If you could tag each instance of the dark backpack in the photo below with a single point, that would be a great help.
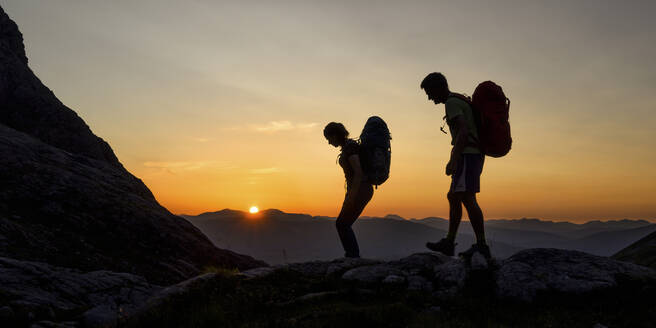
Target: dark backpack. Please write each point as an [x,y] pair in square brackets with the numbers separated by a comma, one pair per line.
[375,150]
[491,109]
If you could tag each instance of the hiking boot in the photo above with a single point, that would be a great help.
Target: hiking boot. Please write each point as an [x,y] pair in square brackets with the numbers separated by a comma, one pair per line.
[444,246]
[481,248]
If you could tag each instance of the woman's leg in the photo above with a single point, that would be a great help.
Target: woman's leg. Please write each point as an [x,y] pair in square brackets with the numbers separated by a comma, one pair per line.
[347,217]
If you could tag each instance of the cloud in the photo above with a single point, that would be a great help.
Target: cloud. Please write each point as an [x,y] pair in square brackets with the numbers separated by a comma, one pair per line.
[253,180]
[181,166]
[278,126]
[268,170]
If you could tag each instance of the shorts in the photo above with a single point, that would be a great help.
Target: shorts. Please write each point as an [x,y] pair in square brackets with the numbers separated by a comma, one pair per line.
[468,174]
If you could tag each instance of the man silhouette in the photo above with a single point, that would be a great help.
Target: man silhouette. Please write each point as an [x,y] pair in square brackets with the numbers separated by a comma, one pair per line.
[465,166]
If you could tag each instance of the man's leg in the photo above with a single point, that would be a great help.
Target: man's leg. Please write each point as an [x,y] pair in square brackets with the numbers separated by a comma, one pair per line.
[447,245]
[476,219]
[455,213]
[475,216]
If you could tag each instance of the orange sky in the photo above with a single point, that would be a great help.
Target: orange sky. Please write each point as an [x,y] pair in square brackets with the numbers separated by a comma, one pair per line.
[222,105]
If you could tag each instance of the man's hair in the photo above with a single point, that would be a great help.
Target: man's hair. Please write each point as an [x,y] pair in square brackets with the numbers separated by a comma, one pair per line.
[335,129]
[434,81]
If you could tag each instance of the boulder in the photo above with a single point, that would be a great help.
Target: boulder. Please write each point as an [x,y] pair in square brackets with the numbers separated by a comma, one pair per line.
[259,272]
[394,280]
[420,263]
[451,274]
[339,266]
[531,272]
[478,262]
[313,268]
[419,283]
[371,273]
[36,292]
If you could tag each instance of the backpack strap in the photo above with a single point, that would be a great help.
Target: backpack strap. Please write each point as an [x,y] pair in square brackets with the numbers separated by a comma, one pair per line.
[469,102]
[462,97]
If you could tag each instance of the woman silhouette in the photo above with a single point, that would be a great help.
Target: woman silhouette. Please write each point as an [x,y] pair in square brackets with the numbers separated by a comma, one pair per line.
[358,190]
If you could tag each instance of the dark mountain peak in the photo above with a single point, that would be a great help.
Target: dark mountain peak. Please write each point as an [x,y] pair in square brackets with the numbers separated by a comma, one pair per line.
[393,217]
[11,39]
[66,200]
[617,223]
[535,220]
[433,218]
[224,212]
[267,215]
[30,107]
[273,211]
[593,223]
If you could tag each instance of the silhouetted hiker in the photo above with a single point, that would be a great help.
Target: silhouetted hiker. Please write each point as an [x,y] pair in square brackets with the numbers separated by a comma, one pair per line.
[465,166]
[358,190]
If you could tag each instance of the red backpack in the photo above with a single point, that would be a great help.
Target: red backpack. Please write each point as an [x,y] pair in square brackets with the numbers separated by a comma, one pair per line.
[491,110]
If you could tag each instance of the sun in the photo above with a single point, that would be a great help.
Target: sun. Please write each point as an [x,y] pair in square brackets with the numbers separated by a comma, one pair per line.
[254,209]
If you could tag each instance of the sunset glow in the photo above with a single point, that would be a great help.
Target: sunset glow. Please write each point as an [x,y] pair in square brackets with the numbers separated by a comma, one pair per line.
[233,109]
[254,209]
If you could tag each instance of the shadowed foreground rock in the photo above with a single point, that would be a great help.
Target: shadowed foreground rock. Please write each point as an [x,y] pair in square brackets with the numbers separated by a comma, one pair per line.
[38,292]
[523,277]
[529,273]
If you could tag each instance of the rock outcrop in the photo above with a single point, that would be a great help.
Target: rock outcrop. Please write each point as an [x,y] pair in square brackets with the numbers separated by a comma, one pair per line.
[533,288]
[35,292]
[524,277]
[66,200]
[532,272]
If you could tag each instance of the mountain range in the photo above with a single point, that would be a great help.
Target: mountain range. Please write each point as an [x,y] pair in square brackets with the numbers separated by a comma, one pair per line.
[278,237]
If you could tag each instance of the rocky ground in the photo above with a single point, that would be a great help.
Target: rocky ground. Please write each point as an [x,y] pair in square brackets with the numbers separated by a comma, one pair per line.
[33,292]
[547,285]
[536,287]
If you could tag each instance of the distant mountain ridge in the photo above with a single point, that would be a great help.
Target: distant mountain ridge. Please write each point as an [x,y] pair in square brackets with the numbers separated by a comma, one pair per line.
[279,237]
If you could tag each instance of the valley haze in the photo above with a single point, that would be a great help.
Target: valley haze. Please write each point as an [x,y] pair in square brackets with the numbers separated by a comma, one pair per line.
[278,237]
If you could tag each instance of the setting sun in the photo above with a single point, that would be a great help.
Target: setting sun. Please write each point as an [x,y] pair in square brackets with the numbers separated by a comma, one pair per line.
[254,209]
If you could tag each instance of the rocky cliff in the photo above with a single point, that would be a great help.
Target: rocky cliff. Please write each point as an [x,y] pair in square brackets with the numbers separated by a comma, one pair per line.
[66,200]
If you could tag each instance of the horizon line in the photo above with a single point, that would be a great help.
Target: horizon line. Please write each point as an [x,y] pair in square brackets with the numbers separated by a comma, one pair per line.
[650,220]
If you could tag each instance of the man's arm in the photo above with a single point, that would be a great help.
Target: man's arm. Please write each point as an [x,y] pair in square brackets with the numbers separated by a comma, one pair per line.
[461,141]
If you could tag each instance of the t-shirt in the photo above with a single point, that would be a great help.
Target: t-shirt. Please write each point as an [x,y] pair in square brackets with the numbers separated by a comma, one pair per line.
[456,107]
[350,148]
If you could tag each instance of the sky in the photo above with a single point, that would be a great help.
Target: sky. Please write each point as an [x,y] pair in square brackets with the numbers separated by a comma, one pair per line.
[221,104]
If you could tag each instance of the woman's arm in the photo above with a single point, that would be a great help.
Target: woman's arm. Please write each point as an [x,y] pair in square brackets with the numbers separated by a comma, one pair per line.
[356,180]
